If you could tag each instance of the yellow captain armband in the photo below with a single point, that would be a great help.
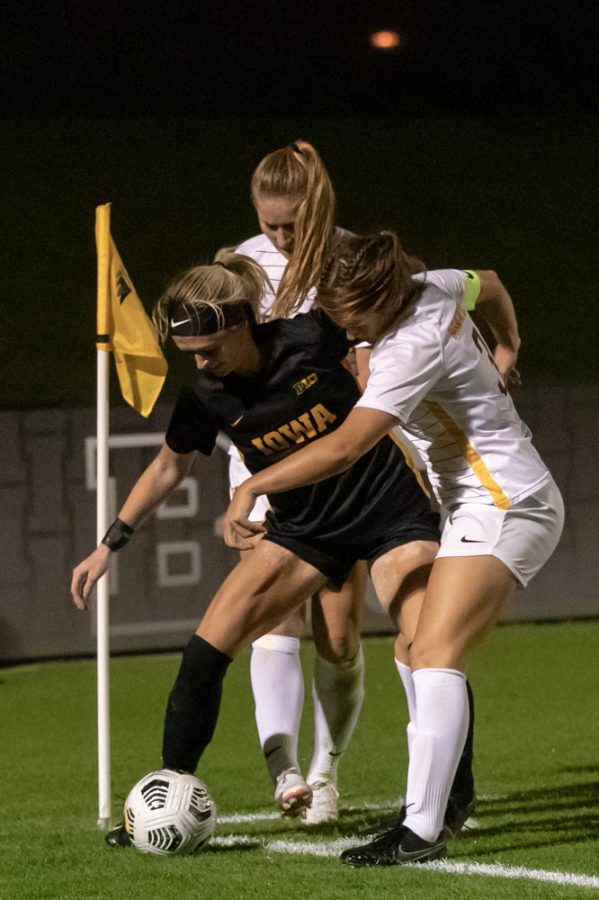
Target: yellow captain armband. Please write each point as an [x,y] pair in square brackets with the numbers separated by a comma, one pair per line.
[471,289]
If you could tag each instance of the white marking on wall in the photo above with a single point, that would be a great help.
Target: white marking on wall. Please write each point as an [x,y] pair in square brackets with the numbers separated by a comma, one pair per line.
[189,505]
[166,551]
[166,626]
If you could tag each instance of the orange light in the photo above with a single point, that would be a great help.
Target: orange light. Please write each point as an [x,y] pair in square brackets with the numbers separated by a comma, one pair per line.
[384,40]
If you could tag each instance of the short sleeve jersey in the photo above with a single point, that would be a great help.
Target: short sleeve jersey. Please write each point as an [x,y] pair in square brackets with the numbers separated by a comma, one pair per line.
[302,393]
[260,249]
[435,374]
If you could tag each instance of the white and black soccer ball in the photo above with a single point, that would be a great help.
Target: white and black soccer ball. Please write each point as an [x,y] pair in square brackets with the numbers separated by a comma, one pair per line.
[169,813]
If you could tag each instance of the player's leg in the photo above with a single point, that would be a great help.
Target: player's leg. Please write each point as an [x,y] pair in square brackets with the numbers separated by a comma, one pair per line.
[400,578]
[337,688]
[468,585]
[268,584]
[277,685]
[278,688]
[463,599]
[260,591]
[514,545]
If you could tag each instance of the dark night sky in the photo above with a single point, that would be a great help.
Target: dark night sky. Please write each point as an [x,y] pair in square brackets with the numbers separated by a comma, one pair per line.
[265,58]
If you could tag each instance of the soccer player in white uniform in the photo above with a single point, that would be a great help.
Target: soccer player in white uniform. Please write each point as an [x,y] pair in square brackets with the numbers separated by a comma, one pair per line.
[295,203]
[432,373]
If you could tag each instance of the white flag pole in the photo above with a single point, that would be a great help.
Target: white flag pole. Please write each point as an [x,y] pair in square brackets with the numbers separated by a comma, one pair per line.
[102,512]
[103,593]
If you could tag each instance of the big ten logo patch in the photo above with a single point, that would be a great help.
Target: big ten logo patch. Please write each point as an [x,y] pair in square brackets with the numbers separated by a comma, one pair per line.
[307,382]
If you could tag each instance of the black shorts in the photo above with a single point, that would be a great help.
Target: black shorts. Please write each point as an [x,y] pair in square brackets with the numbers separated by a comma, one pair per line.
[335,556]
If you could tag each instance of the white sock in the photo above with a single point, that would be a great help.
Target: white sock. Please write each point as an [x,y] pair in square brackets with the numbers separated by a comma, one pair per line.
[338,692]
[405,673]
[442,724]
[278,686]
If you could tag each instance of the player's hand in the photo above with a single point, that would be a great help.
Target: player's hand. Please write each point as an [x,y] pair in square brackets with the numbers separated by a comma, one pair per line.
[238,531]
[87,574]
[505,360]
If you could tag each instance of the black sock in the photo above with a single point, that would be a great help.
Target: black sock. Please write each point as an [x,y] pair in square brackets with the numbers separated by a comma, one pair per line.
[462,788]
[193,705]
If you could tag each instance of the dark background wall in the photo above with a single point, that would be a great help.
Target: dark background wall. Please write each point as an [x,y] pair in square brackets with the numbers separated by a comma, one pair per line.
[162,582]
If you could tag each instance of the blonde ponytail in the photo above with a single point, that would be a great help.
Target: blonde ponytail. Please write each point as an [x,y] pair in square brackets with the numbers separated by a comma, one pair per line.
[297,172]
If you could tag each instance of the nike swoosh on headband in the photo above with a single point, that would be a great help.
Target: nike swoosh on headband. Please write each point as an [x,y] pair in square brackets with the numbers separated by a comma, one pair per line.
[176,324]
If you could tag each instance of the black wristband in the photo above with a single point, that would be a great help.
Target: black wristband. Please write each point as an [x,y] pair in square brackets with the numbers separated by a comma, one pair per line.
[117,535]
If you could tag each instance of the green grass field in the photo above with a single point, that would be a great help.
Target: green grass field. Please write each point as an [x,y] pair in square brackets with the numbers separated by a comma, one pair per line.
[537,768]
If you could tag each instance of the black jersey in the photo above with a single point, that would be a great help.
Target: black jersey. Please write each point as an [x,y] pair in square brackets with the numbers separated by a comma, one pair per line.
[303,391]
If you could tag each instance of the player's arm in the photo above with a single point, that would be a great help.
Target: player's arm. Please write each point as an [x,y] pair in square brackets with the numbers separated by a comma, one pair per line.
[362,356]
[153,486]
[328,456]
[494,305]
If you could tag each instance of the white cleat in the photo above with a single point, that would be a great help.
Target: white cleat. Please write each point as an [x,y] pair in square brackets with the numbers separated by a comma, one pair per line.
[292,794]
[324,806]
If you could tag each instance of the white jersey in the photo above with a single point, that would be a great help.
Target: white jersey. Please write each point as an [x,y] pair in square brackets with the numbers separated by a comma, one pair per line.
[435,374]
[264,252]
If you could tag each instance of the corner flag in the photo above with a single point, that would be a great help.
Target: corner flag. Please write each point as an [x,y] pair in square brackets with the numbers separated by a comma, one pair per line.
[123,325]
[125,330]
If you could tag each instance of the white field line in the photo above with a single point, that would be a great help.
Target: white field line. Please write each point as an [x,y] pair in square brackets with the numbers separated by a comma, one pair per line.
[328,849]
[495,870]
[244,818]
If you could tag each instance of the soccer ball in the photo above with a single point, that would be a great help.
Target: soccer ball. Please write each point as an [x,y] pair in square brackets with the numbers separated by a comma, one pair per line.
[169,813]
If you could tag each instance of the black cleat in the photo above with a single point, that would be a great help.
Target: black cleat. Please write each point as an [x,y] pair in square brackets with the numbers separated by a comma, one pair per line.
[456,815]
[395,847]
[118,837]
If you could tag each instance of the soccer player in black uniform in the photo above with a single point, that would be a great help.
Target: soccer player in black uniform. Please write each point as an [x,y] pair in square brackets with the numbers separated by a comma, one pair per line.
[272,388]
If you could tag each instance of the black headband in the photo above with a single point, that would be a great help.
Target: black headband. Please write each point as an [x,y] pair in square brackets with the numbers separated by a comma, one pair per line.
[186,320]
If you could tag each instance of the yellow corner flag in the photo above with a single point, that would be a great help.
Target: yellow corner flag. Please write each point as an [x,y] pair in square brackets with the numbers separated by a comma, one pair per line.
[123,325]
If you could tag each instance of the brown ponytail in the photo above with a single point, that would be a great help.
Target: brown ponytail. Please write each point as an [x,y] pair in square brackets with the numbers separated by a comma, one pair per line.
[369,275]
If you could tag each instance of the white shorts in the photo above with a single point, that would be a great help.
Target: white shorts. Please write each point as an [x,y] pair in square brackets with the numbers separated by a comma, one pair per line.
[238,472]
[523,537]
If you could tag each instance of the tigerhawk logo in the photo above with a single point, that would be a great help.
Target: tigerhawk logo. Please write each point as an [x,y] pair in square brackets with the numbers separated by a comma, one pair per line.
[123,288]
[305,383]
[299,430]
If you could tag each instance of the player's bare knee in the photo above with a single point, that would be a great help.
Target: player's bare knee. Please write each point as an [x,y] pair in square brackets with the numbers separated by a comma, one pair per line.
[338,648]
[401,648]
[434,655]
[293,625]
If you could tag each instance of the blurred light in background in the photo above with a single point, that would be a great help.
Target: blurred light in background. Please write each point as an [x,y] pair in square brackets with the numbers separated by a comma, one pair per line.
[384,40]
